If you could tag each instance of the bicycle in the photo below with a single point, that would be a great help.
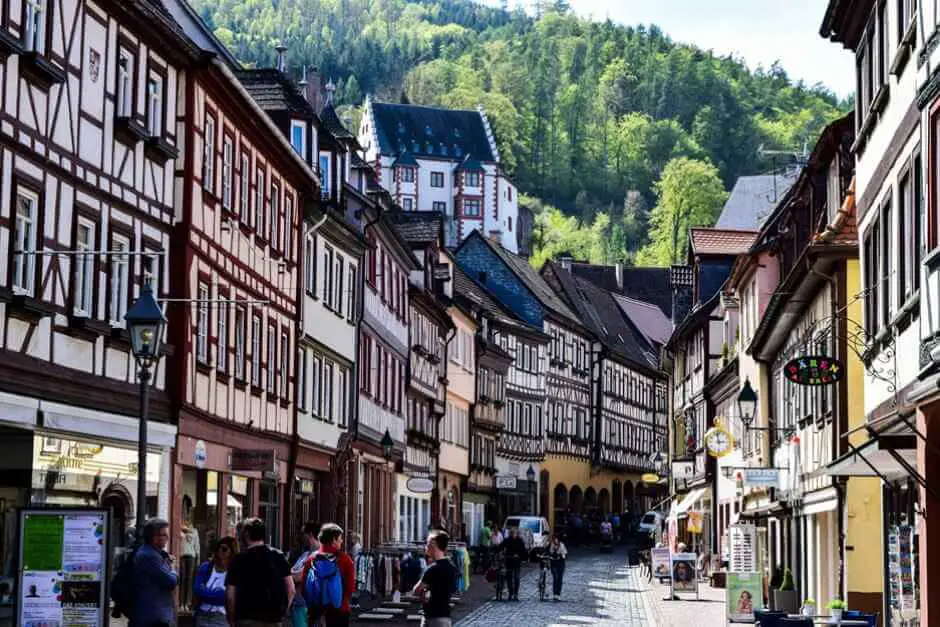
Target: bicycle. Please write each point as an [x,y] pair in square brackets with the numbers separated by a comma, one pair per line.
[544,567]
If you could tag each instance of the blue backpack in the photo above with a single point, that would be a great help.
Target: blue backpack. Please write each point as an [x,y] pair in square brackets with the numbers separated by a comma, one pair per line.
[324,585]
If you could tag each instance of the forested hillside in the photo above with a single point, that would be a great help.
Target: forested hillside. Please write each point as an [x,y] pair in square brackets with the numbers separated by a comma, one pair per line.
[585,112]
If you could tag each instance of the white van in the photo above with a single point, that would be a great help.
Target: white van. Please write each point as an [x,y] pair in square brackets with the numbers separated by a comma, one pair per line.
[651,522]
[535,526]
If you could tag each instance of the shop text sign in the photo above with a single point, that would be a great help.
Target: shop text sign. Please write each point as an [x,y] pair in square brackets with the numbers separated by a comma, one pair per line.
[505,482]
[259,460]
[766,477]
[814,370]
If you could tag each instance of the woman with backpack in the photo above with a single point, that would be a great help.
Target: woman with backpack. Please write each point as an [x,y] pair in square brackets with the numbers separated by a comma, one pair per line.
[329,580]
[209,586]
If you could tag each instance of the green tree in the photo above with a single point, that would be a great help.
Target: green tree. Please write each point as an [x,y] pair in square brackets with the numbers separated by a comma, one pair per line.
[689,193]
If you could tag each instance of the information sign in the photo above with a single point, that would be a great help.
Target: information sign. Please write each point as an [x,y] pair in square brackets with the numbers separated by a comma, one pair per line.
[743,539]
[63,568]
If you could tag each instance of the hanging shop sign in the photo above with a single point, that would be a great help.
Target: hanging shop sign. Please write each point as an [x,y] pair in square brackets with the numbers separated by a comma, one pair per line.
[650,477]
[766,477]
[814,370]
[63,566]
[505,482]
[719,441]
[695,522]
[420,485]
[683,470]
[200,455]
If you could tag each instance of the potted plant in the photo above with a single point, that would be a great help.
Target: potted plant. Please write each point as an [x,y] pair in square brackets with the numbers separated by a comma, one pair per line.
[835,607]
[809,608]
[785,599]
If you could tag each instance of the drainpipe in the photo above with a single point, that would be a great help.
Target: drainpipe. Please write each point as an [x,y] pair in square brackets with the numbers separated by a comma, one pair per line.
[840,350]
[436,492]
[598,409]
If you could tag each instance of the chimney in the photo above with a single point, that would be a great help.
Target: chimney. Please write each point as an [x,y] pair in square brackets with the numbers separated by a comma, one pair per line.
[618,272]
[281,57]
[312,91]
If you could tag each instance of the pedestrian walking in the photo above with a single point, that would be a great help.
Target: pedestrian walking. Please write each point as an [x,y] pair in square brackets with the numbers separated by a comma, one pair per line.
[329,580]
[154,579]
[486,539]
[259,587]
[515,553]
[309,545]
[438,583]
[209,585]
[558,555]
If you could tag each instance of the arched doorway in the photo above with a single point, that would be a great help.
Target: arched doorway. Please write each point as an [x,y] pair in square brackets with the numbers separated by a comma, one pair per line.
[559,520]
[576,499]
[116,499]
[628,497]
[603,502]
[617,495]
[590,501]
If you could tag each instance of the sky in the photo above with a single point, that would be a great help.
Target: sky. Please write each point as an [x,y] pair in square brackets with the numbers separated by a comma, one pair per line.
[759,31]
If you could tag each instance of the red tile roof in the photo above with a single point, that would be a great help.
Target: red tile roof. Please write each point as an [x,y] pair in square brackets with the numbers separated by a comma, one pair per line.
[707,241]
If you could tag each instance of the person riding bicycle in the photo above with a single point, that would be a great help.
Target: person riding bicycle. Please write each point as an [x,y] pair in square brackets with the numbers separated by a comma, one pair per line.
[557,554]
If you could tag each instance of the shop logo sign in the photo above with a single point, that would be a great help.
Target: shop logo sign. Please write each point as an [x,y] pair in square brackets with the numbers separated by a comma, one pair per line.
[814,370]
[420,485]
[200,455]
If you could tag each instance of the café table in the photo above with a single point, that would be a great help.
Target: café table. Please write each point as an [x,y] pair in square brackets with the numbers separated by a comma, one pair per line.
[828,620]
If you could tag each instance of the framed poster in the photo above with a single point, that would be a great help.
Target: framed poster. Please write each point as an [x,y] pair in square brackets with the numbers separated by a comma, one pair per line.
[684,578]
[659,557]
[745,593]
[62,573]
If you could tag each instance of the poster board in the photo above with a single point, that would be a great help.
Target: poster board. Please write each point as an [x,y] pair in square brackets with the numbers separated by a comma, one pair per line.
[660,563]
[745,593]
[743,553]
[682,572]
[62,567]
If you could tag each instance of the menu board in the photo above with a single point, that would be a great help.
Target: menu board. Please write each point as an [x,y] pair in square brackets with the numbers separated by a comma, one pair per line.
[63,562]
[743,544]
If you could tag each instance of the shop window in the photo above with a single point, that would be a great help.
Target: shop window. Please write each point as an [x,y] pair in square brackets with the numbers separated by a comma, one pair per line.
[268,511]
[238,504]
[200,500]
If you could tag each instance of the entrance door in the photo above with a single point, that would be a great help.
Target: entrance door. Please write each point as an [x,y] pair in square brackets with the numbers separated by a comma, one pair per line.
[268,511]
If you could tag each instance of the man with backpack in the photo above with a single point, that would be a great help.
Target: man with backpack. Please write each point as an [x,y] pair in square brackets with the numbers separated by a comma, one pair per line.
[330,580]
[142,589]
[259,587]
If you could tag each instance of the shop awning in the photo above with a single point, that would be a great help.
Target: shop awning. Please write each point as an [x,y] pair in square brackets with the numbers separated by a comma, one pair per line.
[680,507]
[870,460]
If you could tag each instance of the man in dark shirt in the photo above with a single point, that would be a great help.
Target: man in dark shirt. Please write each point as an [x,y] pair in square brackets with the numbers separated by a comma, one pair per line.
[438,583]
[515,554]
[258,586]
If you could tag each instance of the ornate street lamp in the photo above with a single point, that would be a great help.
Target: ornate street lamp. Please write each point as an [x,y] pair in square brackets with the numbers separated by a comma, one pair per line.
[747,402]
[387,445]
[530,475]
[145,324]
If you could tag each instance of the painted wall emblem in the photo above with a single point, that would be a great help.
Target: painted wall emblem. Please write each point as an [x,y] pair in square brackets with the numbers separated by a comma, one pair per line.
[94,65]
[814,370]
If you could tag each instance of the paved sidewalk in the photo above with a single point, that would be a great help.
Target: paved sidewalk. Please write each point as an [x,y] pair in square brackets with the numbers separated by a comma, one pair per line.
[707,611]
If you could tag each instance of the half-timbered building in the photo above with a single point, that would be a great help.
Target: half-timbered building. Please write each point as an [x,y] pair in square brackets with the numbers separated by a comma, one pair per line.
[242,188]
[330,294]
[87,148]
[627,398]
[502,383]
[566,418]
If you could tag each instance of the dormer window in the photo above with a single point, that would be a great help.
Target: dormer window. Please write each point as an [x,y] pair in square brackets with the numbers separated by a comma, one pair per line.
[298,138]
[428,132]
[34,31]
[457,151]
[401,128]
[325,176]
[471,179]
[408,175]
[125,84]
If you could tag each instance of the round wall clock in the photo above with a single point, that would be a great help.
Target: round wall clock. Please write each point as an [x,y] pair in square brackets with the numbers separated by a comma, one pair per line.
[719,441]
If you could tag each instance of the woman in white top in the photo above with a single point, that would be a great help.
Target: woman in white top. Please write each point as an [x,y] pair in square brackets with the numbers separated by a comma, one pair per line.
[557,553]
[209,588]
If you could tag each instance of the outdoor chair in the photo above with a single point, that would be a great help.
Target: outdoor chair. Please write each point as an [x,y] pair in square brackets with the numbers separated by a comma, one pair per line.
[768,618]
[795,622]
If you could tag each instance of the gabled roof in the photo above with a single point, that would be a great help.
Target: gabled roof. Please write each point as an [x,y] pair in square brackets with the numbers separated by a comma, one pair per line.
[358,163]
[274,91]
[430,131]
[603,317]
[418,227]
[650,285]
[333,124]
[405,159]
[648,319]
[197,31]
[714,241]
[531,279]
[469,164]
[753,198]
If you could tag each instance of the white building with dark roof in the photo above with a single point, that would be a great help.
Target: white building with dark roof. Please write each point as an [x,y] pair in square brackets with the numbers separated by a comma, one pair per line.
[436,159]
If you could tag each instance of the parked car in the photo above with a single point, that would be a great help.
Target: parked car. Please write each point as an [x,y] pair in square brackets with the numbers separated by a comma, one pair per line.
[534,527]
[650,523]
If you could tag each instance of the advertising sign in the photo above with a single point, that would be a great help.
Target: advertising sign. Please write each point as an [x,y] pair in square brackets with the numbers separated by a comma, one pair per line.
[683,573]
[743,540]
[660,562]
[767,477]
[744,595]
[505,482]
[262,460]
[695,522]
[814,370]
[63,559]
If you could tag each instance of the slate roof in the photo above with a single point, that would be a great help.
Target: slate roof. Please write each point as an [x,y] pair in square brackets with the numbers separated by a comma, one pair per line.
[467,290]
[274,91]
[197,31]
[532,280]
[600,313]
[469,164]
[430,131]
[418,227]
[753,199]
[648,319]
[358,163]
[647,284]
[333,124]
[715,241]
[406,159]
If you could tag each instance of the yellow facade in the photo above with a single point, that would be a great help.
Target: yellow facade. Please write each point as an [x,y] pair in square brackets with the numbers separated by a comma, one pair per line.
[863,563]
[575,473]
